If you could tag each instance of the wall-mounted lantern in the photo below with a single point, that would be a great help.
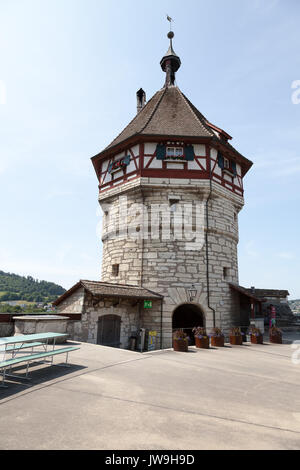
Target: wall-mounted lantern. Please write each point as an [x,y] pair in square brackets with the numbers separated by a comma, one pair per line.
[192,292]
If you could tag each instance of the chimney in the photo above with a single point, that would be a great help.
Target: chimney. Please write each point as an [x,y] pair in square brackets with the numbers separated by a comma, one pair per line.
[253,290]
[141,99]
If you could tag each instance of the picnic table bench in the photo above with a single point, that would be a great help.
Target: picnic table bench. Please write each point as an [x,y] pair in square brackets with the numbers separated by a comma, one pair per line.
[16,344]
[14,348]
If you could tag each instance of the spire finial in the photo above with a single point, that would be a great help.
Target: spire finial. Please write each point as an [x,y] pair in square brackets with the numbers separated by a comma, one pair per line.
[170,63]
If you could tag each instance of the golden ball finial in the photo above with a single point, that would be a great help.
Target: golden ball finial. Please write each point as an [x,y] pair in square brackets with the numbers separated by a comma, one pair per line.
[170,34]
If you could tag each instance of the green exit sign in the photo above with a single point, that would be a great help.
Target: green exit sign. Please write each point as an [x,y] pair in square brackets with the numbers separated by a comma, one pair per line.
[147,303]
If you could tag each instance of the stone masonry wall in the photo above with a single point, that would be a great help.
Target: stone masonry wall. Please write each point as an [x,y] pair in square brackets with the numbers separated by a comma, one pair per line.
[117,248]
[133,316]
[168,266]
[73,303]
[6,329]
[128,310]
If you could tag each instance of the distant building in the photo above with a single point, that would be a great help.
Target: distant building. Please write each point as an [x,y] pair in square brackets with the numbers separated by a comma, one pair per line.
[14,303]
[278,299]
[295,307]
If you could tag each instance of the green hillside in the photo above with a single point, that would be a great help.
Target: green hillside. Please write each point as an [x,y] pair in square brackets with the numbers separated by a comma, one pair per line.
[15,287]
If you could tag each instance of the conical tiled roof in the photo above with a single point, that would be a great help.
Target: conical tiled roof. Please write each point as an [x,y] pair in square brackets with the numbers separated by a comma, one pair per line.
[170,114]
[167,113]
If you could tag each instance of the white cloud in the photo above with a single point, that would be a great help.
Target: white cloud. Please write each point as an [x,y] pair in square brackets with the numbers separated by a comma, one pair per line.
[264,5]
[290,170]
[250,249]
[286,255]
[58,193]
[3,95]
[277,166]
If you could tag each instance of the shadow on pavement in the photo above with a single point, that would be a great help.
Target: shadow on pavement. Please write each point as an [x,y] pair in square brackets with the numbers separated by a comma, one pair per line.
[38,376]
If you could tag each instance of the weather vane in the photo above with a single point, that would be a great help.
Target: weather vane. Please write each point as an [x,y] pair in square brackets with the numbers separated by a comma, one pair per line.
[170,20]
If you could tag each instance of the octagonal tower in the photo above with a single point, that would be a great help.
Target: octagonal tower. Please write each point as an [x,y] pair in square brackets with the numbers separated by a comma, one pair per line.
[171,188]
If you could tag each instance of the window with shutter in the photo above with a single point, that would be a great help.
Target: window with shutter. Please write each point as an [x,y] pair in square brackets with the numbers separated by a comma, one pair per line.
[160,152]
[226,164]
[189,152]
[126,160]
[174,153]
[119,164]
[220,160]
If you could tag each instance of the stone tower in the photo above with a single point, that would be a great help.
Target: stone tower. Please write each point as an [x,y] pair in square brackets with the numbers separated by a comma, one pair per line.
[171,188]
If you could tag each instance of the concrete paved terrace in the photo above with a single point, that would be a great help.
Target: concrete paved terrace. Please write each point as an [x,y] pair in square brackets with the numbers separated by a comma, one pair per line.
[241,397]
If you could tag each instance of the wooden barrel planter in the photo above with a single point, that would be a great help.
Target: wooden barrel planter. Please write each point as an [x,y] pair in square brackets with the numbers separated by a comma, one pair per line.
[236,340]
[257,339]
[202,342]
[277,339]
[217,341]
[180,345]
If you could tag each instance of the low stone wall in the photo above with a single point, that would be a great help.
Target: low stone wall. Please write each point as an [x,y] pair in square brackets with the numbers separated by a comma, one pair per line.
[32,324]
[10,326]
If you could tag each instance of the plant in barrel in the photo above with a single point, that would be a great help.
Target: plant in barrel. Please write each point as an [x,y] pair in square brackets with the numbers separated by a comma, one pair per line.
[235,336]
[180,341]
[256,335]
[275,335]
[217,338]
[201,337]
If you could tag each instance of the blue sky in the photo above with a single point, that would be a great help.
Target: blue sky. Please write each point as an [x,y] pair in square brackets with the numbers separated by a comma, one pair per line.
[68,77]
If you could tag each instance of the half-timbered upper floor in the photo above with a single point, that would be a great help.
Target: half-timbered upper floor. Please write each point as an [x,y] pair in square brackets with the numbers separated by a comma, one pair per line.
[170,138]
[172,159]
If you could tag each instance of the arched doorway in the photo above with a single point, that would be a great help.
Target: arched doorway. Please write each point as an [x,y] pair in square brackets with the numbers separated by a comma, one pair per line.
[109,331]
[186,317]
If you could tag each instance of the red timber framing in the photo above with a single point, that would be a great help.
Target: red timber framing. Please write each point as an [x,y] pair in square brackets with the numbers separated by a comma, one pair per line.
[142,168]
[229,184]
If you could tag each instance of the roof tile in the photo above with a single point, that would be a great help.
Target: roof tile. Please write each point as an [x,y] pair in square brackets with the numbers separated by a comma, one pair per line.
[108,289]
[169,113]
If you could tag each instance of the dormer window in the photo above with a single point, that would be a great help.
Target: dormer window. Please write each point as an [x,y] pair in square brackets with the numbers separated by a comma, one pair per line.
[174,152]
[227,166]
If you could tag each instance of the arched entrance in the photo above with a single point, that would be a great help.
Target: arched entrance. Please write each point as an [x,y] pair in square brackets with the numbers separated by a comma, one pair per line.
[109,331]
[186,317]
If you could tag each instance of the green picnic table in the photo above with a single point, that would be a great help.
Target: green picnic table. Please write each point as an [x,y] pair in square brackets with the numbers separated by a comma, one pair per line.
[16,344]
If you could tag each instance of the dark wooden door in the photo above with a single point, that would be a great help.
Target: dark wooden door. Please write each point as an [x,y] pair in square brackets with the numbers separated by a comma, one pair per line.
[109,331]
